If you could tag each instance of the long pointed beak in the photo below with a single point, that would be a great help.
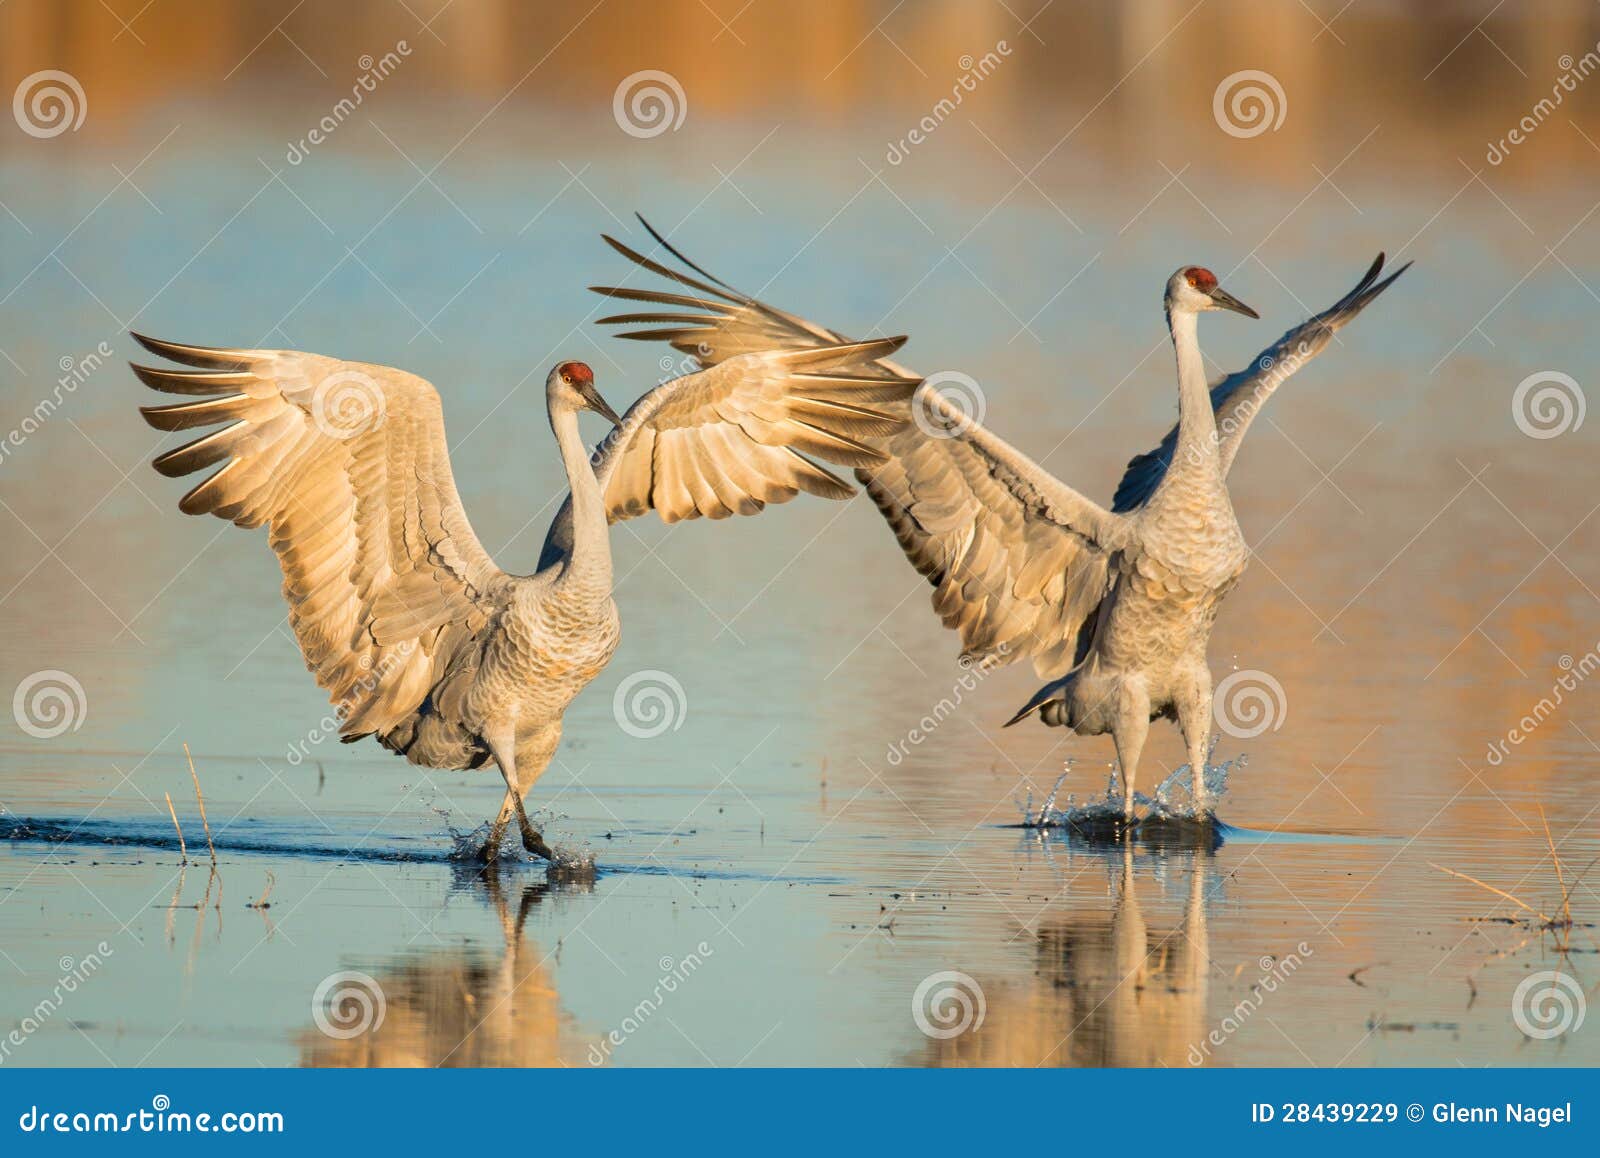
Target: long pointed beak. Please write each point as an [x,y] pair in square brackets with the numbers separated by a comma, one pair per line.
[1224,300]
[600,406]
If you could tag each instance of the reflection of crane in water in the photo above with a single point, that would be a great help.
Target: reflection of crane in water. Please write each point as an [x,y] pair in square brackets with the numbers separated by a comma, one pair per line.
[461,1007]
[1106,989]
[1114,606]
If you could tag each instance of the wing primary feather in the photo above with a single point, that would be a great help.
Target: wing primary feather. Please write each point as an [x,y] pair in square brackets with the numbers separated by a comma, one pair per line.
[660,297]
[665,271]
[677,335]
[208,357]
[679,254]
[213,410]
[202,452]
[832,446]
[816,480]
[192,381]
[654,319]
[822,357]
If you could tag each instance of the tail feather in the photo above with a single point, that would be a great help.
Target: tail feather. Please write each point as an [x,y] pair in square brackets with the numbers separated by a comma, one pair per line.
[1052,693]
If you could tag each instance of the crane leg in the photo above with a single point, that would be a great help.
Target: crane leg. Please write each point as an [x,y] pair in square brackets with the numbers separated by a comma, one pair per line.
[1129,731]
[1194,719]
[521,770]
[491,847]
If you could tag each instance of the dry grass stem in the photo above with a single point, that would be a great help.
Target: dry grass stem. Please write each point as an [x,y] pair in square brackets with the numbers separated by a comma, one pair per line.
[183,849]
[201,798]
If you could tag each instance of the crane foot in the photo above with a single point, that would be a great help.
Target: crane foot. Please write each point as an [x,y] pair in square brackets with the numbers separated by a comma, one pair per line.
[533,841]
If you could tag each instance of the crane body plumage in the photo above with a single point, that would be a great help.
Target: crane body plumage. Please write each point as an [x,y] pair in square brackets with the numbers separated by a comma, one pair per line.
[1114,607]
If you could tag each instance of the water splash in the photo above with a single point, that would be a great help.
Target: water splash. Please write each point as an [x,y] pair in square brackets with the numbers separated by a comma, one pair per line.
[1173,799]
[467,846]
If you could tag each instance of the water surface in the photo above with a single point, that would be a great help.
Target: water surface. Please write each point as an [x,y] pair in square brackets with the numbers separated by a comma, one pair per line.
[786,875]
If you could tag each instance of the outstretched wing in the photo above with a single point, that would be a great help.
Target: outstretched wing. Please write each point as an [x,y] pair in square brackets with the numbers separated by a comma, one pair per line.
[346,465]
[1017,558]
[729,439]
[1014,571]
[1239,397]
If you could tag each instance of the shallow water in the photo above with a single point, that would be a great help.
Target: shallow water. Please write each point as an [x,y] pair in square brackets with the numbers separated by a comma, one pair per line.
[797,869]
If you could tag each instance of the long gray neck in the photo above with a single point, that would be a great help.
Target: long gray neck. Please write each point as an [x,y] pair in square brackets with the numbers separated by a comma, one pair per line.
[590,562]
[1197,423]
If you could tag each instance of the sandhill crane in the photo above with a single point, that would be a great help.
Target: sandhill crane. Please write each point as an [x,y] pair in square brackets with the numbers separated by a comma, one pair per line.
[1115,607]
[420,639]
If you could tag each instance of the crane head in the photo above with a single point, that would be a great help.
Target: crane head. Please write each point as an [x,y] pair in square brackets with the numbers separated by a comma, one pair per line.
[571,387]
[1194,288]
